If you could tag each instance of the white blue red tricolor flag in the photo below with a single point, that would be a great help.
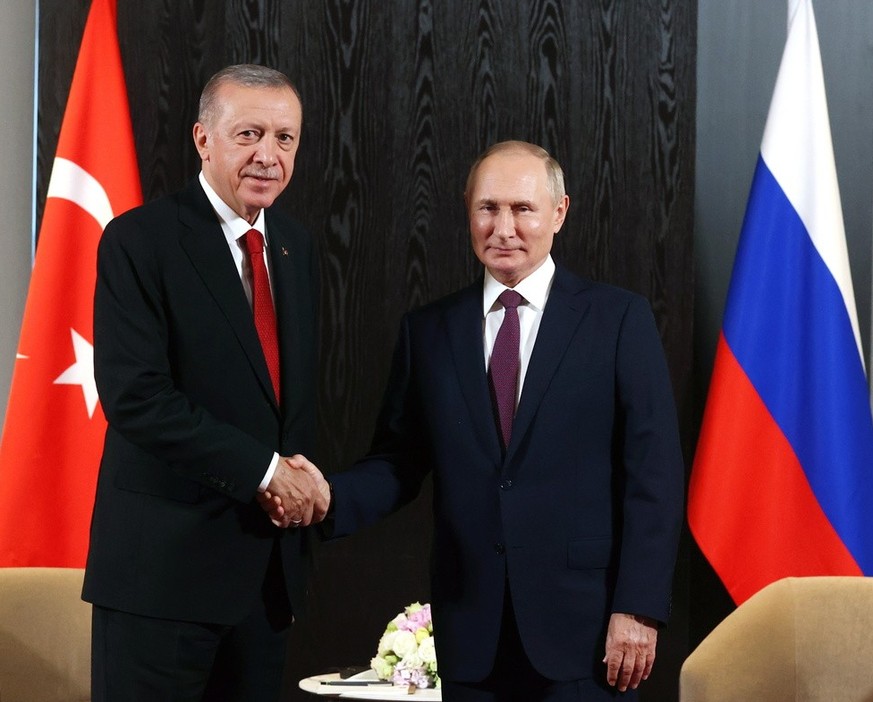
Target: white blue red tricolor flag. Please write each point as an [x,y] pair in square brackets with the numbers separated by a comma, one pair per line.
[782,483]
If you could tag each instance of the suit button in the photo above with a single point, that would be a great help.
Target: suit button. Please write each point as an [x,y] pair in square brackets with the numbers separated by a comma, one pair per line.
[499,548]
[506,484]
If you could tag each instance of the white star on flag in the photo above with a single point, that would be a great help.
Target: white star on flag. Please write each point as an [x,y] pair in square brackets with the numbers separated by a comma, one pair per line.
[82,371]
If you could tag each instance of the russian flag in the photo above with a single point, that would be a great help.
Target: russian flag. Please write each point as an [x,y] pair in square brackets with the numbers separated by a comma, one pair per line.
[782,483]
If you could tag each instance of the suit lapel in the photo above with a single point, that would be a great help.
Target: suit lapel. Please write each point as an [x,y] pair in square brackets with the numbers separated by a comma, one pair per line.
[205,245]
[564,312]
[464,327]
[288,267]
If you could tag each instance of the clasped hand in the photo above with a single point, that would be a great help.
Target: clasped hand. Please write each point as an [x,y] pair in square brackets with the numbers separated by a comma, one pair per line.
[298,494]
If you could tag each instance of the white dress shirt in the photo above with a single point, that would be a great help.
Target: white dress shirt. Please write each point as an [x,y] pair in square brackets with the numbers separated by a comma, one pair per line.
[535,291]
[235,227]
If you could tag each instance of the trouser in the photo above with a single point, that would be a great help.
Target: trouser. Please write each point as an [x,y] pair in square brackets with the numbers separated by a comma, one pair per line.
[144,659]
[514,678]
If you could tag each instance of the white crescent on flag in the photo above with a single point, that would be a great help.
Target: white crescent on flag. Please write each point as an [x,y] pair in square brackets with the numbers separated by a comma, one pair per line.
[69,181]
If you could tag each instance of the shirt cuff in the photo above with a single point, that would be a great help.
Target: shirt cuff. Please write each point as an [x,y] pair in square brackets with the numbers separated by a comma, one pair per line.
[268,476]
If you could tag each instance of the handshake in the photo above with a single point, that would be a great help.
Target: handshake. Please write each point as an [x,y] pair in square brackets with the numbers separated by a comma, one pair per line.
[298,494]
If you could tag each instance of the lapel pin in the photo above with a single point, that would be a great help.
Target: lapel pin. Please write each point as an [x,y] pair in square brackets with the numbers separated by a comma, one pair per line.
[284,251]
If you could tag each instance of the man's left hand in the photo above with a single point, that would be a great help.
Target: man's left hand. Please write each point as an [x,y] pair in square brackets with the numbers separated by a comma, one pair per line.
[630,650]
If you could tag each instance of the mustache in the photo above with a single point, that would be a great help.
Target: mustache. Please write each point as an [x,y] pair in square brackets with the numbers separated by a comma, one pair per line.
[265,173]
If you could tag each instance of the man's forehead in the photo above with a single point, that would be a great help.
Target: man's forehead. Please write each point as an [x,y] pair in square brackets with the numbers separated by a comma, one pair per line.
[232,120]
[513,183]
[517,163]
[517,156]
[238,98]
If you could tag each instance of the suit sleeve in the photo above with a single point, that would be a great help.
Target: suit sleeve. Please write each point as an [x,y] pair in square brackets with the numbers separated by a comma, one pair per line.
[135,376]
[392,473]
[653,468]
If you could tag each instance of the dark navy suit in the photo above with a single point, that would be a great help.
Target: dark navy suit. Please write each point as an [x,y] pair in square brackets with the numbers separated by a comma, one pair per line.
[579,518]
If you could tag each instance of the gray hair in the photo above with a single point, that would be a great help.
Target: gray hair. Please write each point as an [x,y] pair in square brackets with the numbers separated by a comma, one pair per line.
[245,74]
[554,173]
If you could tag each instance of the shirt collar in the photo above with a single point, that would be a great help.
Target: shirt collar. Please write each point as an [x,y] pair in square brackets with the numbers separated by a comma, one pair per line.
[233,225]
[534,289]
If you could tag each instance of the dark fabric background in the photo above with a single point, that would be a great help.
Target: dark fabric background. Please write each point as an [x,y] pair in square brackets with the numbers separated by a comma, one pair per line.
[399,97]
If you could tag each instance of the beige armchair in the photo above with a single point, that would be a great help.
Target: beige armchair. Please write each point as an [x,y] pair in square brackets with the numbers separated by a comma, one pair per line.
[799,639]
[45,636]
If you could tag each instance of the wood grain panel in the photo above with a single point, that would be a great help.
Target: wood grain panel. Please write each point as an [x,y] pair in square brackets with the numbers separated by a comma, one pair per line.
[546,76]
[399,97]
[163,98]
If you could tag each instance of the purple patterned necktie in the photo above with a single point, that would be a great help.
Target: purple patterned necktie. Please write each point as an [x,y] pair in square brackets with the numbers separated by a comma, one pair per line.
[505,363]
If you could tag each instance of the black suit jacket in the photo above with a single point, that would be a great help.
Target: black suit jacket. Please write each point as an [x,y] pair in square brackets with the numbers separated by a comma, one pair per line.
[580,517]
[193,420]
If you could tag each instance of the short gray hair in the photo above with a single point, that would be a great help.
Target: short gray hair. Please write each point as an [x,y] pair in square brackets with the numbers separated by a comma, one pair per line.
[245,74]
[554,172]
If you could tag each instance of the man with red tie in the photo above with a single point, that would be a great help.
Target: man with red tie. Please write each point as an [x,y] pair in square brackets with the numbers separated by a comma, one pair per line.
[205,360]
[542,405]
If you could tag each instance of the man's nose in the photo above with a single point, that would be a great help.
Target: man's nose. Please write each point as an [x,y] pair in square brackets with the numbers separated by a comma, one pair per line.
[266,153]
[504,224]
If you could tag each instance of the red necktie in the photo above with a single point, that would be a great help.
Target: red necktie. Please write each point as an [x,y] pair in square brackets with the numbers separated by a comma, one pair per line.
[505,364]
[262,305]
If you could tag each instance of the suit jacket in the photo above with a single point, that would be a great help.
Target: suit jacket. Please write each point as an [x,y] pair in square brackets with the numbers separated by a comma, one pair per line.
[579,518]
[193,419]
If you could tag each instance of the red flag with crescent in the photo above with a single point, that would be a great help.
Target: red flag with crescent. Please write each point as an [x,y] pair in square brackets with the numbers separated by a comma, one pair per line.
[53,435]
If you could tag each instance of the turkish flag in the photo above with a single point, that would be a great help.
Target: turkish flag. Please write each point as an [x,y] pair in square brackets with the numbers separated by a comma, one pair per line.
[53,435]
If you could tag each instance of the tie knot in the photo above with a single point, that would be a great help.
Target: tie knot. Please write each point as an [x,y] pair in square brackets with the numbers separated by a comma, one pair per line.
[254,242]
[510,299]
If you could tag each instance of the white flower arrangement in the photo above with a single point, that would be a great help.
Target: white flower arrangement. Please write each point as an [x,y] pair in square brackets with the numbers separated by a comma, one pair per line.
[406,654]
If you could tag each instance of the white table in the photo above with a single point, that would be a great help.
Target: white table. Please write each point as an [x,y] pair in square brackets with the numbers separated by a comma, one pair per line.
[364,691]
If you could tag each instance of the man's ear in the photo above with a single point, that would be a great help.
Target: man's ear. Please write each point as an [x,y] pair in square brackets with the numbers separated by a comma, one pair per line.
[561,212]
[201,141]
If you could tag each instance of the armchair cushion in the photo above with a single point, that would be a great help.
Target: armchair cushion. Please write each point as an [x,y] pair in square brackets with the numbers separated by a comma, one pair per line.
[807,639]
[45,636]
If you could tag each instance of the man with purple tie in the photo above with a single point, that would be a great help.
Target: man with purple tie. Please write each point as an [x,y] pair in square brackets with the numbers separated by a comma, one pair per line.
[541,403]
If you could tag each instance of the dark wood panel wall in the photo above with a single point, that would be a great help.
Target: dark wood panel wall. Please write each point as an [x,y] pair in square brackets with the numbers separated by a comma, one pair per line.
[399,97]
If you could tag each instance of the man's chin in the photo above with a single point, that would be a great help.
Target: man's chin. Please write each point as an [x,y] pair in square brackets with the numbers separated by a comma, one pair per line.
[508,275]
[505,263]
[257,199]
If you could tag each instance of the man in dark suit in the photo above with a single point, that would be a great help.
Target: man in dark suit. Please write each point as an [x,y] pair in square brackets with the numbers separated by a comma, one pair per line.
[193,588]
[546,417]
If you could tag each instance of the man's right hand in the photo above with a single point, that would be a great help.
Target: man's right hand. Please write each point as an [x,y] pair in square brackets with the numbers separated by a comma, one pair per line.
[298,494]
